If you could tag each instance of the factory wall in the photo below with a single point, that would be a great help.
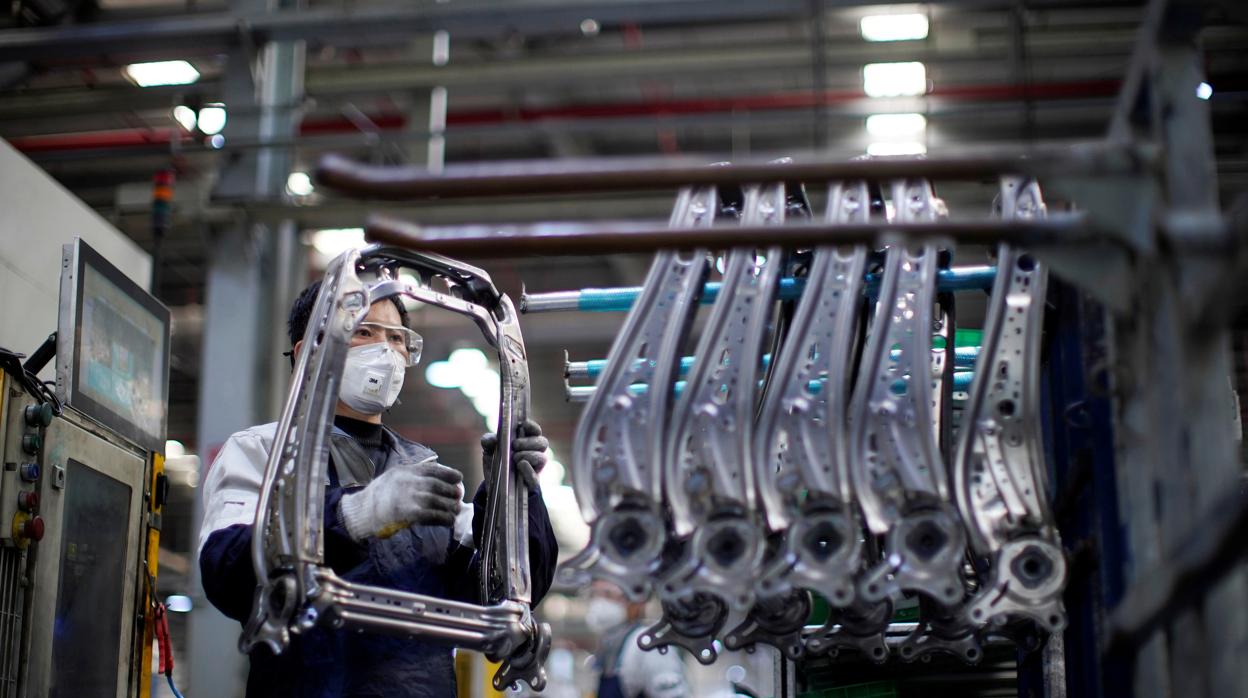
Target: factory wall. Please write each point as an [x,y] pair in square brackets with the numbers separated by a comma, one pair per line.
[40,215]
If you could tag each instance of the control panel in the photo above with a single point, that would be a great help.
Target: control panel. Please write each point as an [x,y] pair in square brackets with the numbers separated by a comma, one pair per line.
[25,422]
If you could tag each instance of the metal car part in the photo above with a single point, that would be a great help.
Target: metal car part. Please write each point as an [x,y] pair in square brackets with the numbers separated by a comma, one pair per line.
[801,465]
[620,435]
[942,631]
[860,627]
[801,460]
[999,472]
[708,451]
[709,481]
[898,474]
[776,620]
[295,590]
[691,622]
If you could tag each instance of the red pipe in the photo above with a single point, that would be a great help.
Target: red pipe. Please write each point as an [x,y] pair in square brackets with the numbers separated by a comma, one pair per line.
[124,138]
[802,99]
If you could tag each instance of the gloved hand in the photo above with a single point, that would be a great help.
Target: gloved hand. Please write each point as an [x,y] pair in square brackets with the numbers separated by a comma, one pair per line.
[426,494]
[528,452]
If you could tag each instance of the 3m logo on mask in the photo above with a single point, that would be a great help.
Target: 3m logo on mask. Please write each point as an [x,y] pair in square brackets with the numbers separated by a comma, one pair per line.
[372,378]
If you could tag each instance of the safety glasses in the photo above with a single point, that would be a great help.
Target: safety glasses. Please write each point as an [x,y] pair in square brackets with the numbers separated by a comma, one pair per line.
[403,340]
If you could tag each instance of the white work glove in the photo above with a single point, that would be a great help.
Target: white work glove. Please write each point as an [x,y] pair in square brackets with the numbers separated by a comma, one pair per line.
[528,452]
[425,494]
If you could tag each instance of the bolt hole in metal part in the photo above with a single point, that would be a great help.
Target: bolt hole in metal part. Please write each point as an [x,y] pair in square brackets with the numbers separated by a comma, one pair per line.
[296,590]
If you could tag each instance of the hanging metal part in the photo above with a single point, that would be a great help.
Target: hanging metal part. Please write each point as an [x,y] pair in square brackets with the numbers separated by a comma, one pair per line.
[295,590]
[708,478]
[690,622]
[620,434]
[898,474]
[861,627]
[999,472]
[800,463]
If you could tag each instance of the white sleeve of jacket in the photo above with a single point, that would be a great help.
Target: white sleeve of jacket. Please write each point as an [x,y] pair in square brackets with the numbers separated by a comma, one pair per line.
[651,674]
[232,488]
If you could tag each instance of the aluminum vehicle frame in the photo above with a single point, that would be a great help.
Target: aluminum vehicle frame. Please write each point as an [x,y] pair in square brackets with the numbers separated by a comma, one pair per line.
[295,590]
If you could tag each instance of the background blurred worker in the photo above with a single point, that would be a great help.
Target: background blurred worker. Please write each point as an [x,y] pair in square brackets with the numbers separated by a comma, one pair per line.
[627,671]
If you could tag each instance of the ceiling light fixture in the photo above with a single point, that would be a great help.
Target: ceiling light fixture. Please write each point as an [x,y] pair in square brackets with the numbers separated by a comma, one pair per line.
[332,242]
[894,79]
[161,73]
[299,184]
[897,126]
[894,27]
[185,116]
[211,119]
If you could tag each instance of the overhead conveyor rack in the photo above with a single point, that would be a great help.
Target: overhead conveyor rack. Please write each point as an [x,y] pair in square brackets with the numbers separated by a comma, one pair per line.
[1081,502]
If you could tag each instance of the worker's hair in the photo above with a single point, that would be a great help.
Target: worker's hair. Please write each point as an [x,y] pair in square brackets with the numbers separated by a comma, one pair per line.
[301,313]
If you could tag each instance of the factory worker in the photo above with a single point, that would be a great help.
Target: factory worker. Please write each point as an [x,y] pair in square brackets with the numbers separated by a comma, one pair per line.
[627,670]
[393,518]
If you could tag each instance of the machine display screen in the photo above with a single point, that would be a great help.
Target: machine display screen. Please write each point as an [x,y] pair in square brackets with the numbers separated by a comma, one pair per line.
[93,577]
[120,349]
[122,364]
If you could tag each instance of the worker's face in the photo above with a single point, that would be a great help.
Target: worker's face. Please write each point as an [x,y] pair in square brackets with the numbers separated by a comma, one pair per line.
[382,324]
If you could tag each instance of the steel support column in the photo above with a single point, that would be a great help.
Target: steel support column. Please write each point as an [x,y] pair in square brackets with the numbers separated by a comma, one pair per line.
[253,273]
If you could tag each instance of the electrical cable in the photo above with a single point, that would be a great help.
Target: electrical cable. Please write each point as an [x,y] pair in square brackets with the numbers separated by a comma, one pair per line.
[11,363]
[173,688]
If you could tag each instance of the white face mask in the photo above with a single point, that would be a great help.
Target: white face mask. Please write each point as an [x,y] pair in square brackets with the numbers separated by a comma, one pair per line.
[602,615]
[372,378]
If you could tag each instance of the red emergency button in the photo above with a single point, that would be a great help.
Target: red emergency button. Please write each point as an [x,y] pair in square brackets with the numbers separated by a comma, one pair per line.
[28,501]
[27,529]
[33,529]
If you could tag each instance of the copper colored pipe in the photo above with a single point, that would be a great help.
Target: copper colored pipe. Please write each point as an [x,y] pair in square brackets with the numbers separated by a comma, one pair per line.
[556,239]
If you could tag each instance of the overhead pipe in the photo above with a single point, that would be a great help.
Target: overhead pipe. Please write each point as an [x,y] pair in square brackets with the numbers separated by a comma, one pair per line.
[795,100]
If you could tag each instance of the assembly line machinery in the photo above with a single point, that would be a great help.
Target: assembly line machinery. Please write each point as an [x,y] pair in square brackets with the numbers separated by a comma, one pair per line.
[82,491]
[1066,483]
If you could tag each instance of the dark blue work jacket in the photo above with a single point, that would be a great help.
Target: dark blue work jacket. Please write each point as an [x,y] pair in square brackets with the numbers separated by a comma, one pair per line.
[326,663]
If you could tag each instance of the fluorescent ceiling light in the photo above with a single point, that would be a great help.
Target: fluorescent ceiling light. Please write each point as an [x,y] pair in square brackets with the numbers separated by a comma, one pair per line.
[897,126]
[178,603]
[161,73]
[899,27]
[894,79]
[1204,90]
[211,119]
[896,148]
[441,47]
[332,242]
[299,184]
[185,116]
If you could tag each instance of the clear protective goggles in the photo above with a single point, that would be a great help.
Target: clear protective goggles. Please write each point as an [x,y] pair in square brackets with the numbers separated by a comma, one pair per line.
[401,339]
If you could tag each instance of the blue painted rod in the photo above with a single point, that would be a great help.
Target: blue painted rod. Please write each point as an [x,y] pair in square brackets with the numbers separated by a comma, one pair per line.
[963,357]
[607,300]
[580,393]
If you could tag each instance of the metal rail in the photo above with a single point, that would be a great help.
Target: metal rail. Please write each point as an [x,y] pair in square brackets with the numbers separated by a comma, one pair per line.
[478,241]
[1089,158]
